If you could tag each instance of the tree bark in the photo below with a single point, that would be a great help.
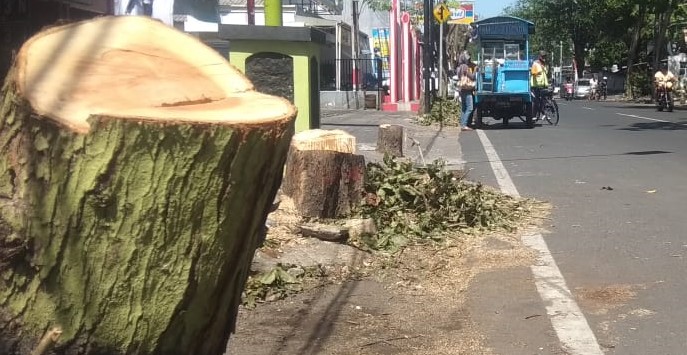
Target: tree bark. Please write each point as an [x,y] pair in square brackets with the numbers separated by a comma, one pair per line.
[662,23]
[634,45]
[323,175]
[136,172]
[324,184]
[325,232]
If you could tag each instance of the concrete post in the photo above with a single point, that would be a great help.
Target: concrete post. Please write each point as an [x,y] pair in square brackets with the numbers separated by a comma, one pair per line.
[273,13]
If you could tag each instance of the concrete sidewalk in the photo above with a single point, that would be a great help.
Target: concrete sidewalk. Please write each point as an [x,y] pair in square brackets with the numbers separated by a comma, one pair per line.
[436,142]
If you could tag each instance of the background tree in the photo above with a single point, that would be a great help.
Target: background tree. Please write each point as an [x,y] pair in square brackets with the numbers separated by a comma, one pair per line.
[606,32]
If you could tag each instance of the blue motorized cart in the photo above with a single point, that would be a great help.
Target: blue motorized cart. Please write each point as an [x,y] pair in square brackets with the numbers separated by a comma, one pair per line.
[503,85]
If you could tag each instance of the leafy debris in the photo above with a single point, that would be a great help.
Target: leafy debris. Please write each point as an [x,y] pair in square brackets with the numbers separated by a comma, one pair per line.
[273,285]
[413,205]
[444,111]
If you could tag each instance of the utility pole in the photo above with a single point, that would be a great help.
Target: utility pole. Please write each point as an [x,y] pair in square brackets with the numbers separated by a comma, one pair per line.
[250,9]
[356,49]
[427,53]
[432,42]
[273,13]
[441,60]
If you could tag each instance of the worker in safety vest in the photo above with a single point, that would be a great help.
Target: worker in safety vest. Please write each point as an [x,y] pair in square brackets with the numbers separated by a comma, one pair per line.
[539,81]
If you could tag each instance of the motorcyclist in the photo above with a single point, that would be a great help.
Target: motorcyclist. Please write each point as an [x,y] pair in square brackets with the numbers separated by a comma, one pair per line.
[603,88]
[569,89]
[593,88]
[664,81]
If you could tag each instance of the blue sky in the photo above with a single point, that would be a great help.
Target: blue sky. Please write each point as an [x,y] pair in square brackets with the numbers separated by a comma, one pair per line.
[489,8]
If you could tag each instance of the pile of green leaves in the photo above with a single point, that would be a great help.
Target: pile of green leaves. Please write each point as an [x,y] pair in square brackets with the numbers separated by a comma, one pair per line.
[273,285]
[444,111]
[413,205]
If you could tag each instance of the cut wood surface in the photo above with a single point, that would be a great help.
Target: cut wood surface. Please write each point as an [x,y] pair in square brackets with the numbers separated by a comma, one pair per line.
[390,140]
[111,67]
[137,168]
[319,139]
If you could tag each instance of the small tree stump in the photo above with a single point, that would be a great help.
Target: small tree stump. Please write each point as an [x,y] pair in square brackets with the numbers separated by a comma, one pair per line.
[390,140]
[323,183]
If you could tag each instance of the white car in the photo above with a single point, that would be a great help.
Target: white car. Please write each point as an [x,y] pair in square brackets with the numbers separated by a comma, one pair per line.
[582,89]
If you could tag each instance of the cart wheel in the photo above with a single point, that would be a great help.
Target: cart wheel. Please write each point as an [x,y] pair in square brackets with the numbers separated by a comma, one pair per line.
[528,116]
[478,118]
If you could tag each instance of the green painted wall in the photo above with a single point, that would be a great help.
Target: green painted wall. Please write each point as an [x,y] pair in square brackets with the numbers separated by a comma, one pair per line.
[301,52]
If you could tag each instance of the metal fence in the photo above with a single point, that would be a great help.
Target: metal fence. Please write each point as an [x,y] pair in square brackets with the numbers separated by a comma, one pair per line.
[353,74]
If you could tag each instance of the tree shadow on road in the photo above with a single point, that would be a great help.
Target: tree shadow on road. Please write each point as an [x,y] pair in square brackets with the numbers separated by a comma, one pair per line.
[656,126]
[650,106]
[511,125]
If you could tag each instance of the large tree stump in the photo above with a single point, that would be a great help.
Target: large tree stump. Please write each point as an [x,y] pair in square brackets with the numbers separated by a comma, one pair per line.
[137,168]
[390,140]
[322,181]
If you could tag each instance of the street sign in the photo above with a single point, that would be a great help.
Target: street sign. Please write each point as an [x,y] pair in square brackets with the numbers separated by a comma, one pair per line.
[442,13]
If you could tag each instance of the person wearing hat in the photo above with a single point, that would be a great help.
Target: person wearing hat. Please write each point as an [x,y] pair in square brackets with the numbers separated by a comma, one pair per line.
[539,80]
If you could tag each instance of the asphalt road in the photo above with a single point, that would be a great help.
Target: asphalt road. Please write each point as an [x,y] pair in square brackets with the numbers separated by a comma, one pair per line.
[616,175]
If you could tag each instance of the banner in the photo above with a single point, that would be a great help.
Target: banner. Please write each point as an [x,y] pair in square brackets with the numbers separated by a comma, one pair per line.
[462,13]
[380,40]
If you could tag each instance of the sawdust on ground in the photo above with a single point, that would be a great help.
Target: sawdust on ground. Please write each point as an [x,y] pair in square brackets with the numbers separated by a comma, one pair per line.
[408,303]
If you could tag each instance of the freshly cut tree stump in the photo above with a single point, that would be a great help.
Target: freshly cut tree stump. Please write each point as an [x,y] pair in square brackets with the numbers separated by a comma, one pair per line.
[324,183]
[390,140]
[319,139]
[137,168]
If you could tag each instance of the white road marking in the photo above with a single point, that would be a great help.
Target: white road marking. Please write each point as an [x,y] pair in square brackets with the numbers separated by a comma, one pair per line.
[651,119]
[571,326]
[645,118]
[587,108]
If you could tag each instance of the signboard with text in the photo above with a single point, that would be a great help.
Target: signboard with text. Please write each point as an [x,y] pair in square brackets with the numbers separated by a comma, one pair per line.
[462,13]
[380,40]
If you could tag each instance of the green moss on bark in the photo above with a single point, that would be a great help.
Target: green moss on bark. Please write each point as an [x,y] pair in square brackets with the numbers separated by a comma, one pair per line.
[138,235]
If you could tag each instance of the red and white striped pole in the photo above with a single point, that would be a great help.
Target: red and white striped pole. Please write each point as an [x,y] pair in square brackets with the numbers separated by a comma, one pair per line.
[393,51]
[405,53]
[417,61]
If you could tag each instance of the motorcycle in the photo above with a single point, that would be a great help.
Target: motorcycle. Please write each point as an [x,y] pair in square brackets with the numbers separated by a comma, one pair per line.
[664,100]
[569,91]
[602,92]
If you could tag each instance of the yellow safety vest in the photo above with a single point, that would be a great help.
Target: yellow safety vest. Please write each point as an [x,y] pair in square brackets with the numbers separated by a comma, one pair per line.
[539,77]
